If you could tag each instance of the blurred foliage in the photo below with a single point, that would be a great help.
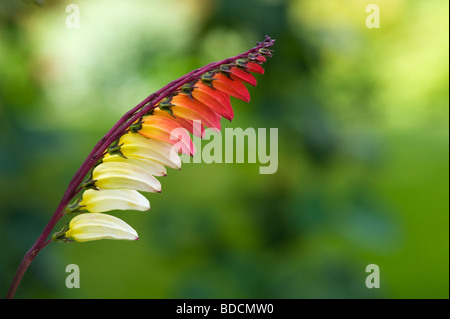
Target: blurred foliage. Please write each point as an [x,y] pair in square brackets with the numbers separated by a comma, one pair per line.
[363,148]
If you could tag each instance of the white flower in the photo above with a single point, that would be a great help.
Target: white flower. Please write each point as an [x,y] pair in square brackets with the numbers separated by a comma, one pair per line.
[138,146]
[103,200]
[150,166]
[94,226]
[110,175]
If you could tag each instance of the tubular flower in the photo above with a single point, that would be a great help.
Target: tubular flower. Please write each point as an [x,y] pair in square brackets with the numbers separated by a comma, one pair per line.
[98,201]
[148,165]
[150,138]
[136,146]
[214,98]
[183,107]
[185,123]
[232,87]
[94,226]
[112,175]
[167,130]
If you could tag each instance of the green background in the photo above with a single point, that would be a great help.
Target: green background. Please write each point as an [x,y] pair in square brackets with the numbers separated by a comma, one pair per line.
[362,117]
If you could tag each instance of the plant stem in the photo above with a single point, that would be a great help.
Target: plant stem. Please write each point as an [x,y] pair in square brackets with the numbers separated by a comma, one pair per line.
[97,152]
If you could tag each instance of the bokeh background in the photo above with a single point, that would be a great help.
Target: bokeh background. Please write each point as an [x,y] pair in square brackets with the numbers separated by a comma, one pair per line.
[362,176]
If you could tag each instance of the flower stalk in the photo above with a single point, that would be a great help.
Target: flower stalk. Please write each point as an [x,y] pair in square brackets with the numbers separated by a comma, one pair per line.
[229,68]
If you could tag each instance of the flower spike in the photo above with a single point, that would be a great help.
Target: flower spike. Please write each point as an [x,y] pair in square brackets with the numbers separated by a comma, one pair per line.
[157,132]
[148,138]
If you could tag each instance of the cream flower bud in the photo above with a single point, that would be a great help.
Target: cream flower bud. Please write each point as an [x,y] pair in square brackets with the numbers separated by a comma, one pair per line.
[110,175]
[138,146]
[95,226]
[152,167]
[103,200]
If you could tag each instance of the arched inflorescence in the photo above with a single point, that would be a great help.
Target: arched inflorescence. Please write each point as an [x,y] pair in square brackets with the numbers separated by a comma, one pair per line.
[132,163]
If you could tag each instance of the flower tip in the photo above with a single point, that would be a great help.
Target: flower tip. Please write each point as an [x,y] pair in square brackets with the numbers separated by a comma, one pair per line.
[229,116]
[256,68]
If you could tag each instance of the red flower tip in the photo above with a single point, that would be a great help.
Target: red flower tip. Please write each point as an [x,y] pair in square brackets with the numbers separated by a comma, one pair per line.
[261,58]
[218,101]
[253,67]
[242,75]
[230,86]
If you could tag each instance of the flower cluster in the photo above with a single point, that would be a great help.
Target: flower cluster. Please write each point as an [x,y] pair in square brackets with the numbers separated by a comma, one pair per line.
[153,142]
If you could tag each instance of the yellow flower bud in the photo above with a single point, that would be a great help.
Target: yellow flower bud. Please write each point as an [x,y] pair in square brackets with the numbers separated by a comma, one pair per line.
[95,226]
[138,146]
[117,175]
[103,200]
[150,166]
